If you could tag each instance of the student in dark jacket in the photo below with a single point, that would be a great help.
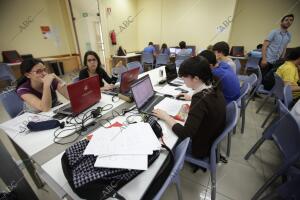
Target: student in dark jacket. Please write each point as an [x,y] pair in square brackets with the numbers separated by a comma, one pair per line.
[93,67]
[207,114]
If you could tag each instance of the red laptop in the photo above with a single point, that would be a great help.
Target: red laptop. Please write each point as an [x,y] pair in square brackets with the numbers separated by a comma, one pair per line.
[127,78]
[83,94]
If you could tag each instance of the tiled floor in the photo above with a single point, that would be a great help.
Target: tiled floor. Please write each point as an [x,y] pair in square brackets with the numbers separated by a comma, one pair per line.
[237,180]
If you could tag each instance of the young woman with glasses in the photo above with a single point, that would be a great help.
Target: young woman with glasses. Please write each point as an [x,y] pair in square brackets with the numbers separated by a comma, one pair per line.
[37,88]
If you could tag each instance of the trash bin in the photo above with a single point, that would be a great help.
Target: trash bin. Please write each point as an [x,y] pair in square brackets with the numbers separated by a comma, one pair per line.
[58,68]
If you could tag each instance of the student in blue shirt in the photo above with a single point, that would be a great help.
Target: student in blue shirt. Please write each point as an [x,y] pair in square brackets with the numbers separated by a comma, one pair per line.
[150,48]
[164,49]
[227,79]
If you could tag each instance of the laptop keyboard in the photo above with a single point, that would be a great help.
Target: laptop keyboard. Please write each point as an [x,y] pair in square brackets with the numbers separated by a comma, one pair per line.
[66,108]
[150,107]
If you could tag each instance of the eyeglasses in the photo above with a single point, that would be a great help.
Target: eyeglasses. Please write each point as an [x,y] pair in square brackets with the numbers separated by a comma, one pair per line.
[92,60]
[40,71]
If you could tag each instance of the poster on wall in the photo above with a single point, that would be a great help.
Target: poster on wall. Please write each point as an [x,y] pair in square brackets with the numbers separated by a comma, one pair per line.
[46,32]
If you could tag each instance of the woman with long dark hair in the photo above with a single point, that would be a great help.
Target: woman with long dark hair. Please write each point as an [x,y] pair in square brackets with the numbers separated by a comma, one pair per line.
[37,88]
[93,67]
[207,114]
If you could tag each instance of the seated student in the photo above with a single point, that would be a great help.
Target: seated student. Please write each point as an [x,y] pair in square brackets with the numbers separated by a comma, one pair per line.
[207,114]
[37,88]
[227,79]
[150,48]
[289,71]
[93,67]
[221,49]
[164,49]
[184,51]
[256,52]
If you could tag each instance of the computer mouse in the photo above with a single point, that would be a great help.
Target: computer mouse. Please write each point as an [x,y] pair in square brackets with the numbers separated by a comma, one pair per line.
[180,97]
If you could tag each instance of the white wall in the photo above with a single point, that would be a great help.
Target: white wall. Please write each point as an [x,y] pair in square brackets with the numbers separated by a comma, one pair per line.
[257,18]
[193,21]
[30,40]
[121,10]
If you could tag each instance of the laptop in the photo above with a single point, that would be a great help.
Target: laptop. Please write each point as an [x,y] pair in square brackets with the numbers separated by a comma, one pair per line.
[171,72]
[83,94]
[127,78]
[237,51]
[144,95]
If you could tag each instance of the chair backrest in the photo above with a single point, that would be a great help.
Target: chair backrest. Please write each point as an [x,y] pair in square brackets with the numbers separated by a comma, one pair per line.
[277,90]
[12,103]
[147,57]
[252,80]
[244,90]
[162,59]
[231,120]
[178,63]
[179,161]
[6,73]
[252,62]
[181,57]
[287,96]
[135,64]
[76,79]
[287,134]
[238,65]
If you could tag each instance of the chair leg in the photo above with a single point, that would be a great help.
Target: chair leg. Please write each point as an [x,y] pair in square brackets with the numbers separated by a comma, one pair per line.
[234,130]
[243,112]
[263,103]
[213,186]
[178,188]
[265,186]
[254,148]
[228,144]
[218,154]
[268,117]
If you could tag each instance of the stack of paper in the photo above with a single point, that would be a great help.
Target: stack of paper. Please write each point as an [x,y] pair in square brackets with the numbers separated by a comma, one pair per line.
[125,147]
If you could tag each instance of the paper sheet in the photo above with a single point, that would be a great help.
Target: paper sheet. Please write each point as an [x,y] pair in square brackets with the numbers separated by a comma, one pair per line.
[171,106]
[139,162]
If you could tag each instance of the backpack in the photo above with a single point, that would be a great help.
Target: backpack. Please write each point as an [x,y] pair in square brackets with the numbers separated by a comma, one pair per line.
[90,182]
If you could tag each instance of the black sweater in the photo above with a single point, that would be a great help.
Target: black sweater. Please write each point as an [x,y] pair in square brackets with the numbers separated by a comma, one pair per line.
[205,122]
[83,74]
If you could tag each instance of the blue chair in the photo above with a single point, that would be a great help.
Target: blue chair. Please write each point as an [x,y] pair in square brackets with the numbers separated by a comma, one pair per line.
[12,103]
[135,64]
[288,190]
[162,59]
[178,63]
[252,80]
[6,73]
[210,162]
[238,66]
[277,93]
[76,79]
[174,176]
[147,59]
[288,97]
[182,57]
[252,62]
[286,135]
[241,101]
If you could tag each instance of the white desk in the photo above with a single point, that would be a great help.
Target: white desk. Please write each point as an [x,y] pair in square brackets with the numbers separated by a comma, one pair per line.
[38,145]
[126,59]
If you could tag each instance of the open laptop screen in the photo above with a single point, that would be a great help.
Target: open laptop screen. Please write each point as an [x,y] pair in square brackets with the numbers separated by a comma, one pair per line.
[127,78]
[142,91]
